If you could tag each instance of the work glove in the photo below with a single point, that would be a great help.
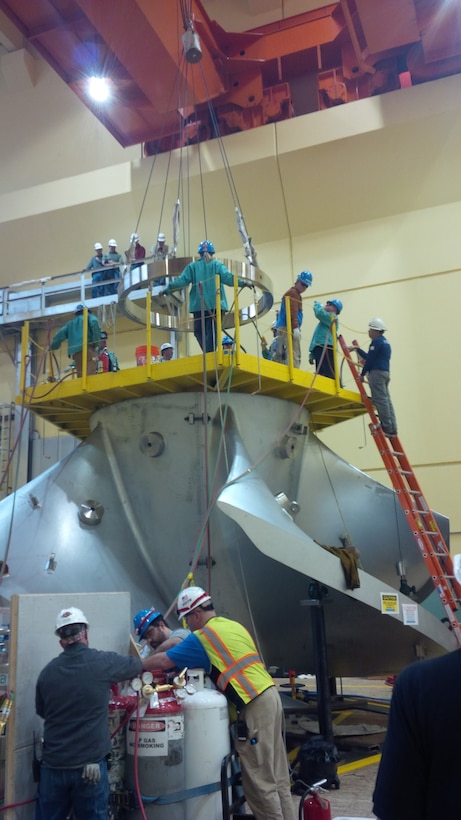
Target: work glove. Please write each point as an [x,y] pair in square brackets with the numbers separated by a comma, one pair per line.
[91,773]
[311,360]
[297,332]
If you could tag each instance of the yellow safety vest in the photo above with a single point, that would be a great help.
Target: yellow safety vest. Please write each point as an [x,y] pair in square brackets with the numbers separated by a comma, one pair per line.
[236,668]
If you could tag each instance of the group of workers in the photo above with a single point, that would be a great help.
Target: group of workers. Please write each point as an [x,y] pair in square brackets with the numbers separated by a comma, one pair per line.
[72,693]
[375,362]
[105,267]
[99,358]
[417,777]
[201,276]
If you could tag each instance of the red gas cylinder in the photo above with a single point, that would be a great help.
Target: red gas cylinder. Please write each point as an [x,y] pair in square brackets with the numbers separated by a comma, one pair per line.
[103,362]
[316,807]
[156,762]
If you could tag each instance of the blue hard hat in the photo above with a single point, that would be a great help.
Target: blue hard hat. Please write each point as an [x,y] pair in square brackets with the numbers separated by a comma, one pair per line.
[206,247]
[306,278]
[143,619]
[337,304]
[227,340]
[79,308]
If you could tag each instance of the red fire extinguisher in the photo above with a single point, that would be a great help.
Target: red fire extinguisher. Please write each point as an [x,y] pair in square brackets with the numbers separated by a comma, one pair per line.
[313,806]
[103,362]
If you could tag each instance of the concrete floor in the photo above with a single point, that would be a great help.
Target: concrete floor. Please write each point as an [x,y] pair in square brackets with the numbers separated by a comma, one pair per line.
[360,754]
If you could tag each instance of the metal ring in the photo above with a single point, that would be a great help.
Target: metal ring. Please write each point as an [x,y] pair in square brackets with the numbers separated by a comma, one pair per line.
[169,315]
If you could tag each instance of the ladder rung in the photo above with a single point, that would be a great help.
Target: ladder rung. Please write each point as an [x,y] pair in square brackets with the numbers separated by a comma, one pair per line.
[406,472]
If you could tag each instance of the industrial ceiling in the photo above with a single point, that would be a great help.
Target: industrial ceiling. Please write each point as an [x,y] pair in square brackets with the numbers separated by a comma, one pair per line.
[249,62]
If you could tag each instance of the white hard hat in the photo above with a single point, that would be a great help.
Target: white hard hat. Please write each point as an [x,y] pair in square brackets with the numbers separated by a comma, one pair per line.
[377,324]
[112,243]
[97,246]
[191,598]
[161,237]
[133,238]
[166,346]
[68,617]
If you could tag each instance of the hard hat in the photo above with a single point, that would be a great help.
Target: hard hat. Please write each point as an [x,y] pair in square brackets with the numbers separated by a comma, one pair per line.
[97,246]
[112,243]
[166,346]
[79,308]
[306,278]
[227,340]
[133,238]
[336,303]
[161,237]
[191,598]
[103,334]
[206,247]
[69,617]
[377,324]
[143,619]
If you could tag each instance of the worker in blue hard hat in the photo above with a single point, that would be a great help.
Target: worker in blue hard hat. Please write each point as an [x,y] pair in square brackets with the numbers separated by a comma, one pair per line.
[201,276]
[73,332]
[227,344]
[151,627]
[321,346]
[294,296]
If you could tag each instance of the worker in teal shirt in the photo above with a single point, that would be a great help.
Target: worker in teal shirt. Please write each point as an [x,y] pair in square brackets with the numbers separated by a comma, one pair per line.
[201,275]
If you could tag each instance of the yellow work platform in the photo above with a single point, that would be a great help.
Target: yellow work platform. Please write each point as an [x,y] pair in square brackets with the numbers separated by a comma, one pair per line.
[70,402]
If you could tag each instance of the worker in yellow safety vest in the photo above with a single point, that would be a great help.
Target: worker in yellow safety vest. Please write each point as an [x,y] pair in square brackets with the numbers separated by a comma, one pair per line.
[227,652]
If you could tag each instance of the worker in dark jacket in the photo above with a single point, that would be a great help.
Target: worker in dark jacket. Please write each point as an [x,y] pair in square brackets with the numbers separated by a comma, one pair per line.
[376,368]
[72,697]
[73,332]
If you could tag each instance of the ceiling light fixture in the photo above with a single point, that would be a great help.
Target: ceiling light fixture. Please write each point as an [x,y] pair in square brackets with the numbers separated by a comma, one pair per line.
[98,89]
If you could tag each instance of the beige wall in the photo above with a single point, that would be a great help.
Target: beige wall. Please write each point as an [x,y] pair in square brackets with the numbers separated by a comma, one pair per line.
[367,196]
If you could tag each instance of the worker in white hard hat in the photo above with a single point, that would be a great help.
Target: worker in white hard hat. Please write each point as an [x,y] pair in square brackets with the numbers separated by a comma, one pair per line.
[377,369]
[161,250]
[73,332]
[72,696]
[95,265]
[294,298]
[268,351]
[135,253]
[227,653]
[112,259]
[166,351]
[321,351]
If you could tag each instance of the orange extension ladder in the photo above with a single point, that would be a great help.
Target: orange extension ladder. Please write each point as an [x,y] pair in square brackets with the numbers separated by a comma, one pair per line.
[421,521]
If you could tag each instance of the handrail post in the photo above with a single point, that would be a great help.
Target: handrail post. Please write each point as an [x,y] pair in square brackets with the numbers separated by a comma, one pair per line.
[291,368]
[24,353]
[85,348]
[220,359]
[148,334]
[236,359]
[334,335]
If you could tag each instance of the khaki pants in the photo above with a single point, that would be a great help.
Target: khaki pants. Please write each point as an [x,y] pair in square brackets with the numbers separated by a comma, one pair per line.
[265,778]
[91,364]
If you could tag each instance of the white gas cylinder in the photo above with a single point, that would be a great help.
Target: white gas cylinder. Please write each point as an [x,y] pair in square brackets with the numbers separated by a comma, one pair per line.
[206,743]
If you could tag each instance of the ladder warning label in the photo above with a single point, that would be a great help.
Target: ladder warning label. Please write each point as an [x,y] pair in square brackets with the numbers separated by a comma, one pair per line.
[389,603]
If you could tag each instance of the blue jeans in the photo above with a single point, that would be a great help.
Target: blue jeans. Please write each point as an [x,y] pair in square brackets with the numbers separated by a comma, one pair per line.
[63,790]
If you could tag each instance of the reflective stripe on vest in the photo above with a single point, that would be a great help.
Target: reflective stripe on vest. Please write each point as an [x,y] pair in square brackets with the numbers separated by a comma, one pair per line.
[233,672]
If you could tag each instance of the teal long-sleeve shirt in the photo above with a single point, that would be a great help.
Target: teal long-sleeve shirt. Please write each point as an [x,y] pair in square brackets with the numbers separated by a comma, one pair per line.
[323,330]
[204,272]
[73,332]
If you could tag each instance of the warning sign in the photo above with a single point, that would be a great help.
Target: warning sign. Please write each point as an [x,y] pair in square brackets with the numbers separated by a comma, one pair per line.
[389,603]
[154,735]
